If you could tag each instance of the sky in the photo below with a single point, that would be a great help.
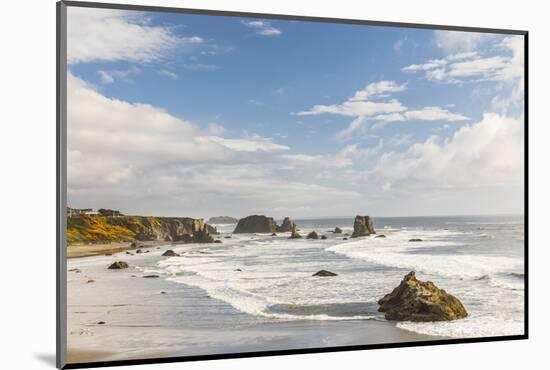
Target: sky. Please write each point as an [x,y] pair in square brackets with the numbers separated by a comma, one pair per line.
[198,115]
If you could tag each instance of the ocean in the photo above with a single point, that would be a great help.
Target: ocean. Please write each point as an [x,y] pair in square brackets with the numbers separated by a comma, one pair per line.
[477,259]
[256,291]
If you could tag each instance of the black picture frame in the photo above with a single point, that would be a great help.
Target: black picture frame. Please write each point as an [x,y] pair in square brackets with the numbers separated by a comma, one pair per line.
[61,186]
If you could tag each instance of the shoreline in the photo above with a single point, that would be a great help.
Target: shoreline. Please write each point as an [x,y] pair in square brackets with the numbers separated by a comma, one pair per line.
[121,315]
[100,249]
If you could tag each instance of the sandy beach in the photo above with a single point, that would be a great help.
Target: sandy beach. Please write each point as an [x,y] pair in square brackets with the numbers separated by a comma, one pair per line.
[87,250]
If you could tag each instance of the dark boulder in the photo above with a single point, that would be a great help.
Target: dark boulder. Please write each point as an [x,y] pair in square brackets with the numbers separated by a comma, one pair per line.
[324,273]
[362,226]
[312,235]
[345,239]
[150,276]
[256,224]
[337,230]
[414,240]
[323,237]
[380,236]
[170,253]
[118,265]
[415,300]
[139,251]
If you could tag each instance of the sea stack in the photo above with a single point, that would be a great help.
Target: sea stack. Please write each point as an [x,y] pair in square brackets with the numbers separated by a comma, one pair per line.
[201,232]
[294,233]
[362,226]
[286,226]
[415,300]
[256,224]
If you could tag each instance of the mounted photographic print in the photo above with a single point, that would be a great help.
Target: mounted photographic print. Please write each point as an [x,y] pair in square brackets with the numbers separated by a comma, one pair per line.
[235,185]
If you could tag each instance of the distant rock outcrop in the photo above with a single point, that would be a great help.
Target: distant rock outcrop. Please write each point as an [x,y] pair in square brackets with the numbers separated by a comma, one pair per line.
[415,300]
[362,226]
[285,227]
[415,240]
[262,224]
[380,236]
[223,220]
[324,273]
[312,235]
[337,230]
[294,232]
[118,265]
[104,229]
[256,224]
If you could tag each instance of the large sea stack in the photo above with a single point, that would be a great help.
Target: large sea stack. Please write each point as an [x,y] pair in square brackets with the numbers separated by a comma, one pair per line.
[362,226]
[285,227]
[415,300]
[262,224]
[256,224]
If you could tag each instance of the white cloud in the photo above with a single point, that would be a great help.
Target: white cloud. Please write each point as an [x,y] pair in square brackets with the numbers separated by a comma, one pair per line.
[364,110]
[169,74]
[398,45]
[143,160]
[109,76]
[356,108]
[471,66]
[433,114]
[263,28]
[254,102]
[460,41]
[113,136]
[105,77]
[271,31]
[114,35]
[380,88]
[256,24]
[252,143]
[487,153]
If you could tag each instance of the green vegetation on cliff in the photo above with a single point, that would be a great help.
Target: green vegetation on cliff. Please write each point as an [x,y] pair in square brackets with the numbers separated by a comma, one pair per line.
[83,229]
